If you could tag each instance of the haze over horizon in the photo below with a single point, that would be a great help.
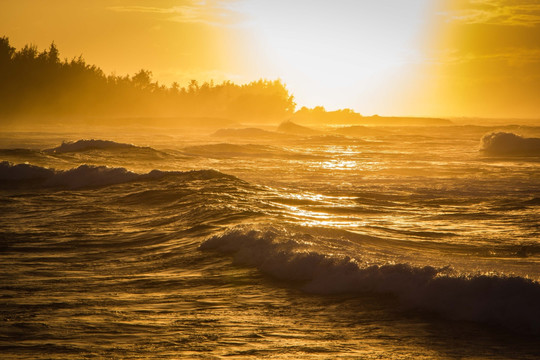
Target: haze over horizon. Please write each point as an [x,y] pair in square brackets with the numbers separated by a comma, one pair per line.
[421,58]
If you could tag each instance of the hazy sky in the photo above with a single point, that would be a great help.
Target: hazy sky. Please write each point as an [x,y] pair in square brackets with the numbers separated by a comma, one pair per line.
[391,57]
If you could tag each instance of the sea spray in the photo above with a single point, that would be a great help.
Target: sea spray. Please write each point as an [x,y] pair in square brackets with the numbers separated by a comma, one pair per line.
[507,301]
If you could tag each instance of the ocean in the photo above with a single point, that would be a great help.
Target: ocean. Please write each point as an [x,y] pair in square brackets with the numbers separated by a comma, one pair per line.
[356,243]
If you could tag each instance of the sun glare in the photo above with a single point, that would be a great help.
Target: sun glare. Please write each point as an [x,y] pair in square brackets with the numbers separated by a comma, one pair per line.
[339,53]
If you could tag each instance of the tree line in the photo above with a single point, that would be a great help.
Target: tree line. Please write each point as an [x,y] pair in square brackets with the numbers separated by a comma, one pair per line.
[34,83]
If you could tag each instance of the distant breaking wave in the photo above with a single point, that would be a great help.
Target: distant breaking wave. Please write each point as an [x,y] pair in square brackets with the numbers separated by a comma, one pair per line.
[505,143]
[85,145]
[26,175]
[511,302]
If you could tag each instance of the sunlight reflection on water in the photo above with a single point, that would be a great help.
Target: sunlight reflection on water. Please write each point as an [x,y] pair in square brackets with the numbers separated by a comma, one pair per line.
[120,266]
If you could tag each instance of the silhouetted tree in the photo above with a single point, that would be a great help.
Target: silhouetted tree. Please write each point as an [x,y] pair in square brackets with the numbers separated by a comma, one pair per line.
[6,51]
[39,83]
[142,79]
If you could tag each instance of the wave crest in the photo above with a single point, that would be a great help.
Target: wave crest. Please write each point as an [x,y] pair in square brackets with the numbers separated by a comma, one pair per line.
[86,145]
[506,143]
[24,175]
[508,301]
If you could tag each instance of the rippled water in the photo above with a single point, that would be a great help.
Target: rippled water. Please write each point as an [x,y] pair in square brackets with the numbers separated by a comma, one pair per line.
[402,244]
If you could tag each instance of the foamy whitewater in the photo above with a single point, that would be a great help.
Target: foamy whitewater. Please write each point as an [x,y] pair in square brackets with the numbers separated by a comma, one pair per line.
[351,243]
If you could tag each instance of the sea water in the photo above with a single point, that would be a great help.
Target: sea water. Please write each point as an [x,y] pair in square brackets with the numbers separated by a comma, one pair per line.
[389,243]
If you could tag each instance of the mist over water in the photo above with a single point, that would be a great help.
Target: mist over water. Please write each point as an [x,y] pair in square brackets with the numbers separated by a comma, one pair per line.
[343,242]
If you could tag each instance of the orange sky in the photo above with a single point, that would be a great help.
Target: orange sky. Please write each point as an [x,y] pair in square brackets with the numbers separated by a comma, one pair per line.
[388,57]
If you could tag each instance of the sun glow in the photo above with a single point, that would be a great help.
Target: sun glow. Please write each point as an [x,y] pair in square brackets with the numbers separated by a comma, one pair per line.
[339,54]
[434,58]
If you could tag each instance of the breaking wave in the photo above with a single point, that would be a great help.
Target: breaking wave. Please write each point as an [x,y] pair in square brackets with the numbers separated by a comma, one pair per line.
[289,127]
[511,302]
[26,175]
[86,145]
[505,143]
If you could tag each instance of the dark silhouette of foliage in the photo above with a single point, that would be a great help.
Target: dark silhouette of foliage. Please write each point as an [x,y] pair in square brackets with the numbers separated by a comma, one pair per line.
[34,83]
[319,114]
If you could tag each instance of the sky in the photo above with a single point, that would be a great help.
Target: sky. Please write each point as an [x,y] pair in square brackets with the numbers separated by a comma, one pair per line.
[447,58]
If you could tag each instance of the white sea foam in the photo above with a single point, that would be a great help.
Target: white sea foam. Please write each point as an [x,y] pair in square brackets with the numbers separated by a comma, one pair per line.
[508,301]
